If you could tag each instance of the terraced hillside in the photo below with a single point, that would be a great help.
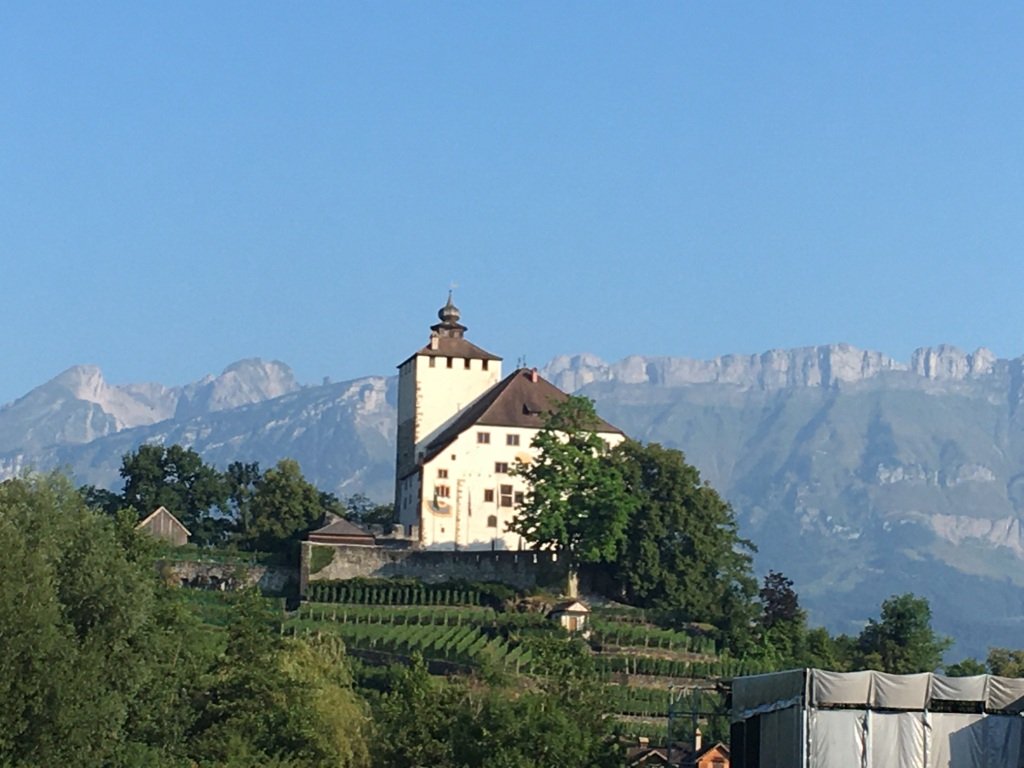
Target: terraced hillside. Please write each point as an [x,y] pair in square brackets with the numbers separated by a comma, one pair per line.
[462,629]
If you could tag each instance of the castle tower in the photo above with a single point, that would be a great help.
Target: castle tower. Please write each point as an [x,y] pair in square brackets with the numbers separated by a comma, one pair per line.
[434,385]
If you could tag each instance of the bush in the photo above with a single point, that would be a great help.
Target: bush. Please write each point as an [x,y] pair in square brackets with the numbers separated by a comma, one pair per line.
[320,558]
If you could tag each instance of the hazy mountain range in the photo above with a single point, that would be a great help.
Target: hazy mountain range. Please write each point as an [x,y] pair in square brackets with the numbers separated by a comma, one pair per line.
[857,475]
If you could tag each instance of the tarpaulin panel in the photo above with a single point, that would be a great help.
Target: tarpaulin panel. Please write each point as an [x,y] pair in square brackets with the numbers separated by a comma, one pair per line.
[836,738]
[957,741]
[832,688]
[895,740]
[959,688]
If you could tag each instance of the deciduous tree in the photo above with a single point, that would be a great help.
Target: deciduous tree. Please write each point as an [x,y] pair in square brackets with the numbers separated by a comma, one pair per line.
[283,506]
[902,640]
[577,502]
[682,550]
[176,478]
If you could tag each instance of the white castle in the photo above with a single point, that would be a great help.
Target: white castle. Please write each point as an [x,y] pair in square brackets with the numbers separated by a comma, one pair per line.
[461,428]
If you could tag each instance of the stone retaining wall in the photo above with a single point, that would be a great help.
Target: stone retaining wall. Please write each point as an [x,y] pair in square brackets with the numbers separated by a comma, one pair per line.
[522,570]
[271,579]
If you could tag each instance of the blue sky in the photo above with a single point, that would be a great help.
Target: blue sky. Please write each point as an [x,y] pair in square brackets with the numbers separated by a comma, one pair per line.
[186,184]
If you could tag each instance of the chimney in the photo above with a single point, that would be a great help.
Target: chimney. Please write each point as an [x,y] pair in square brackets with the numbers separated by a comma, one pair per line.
[533,375]
[698,740]
[434,340]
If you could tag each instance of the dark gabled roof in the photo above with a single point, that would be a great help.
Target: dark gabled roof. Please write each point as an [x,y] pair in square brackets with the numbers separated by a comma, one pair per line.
[448,346]
[518,400]
[341,527]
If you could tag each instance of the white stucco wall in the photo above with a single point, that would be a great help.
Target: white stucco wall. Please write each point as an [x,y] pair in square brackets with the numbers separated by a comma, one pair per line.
[464,516]
[441,392]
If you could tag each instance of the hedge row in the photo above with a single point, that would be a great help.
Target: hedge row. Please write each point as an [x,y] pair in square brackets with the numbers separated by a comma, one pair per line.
[619,633]
[395,615]
[645,665]
[420,594]
[363,591]
[637,702]
[460,644]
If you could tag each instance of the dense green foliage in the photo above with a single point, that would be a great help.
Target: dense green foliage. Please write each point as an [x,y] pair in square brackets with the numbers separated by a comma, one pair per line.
[254,510]
[669,541]
[902,640]
[101,664]
[682,551]
[284,505]
[577,502]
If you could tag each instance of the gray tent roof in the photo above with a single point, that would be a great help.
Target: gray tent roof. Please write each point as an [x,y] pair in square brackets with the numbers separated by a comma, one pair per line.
[818,688]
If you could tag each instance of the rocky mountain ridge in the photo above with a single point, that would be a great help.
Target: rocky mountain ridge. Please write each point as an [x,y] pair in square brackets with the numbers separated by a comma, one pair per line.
[78,405]
[822,366]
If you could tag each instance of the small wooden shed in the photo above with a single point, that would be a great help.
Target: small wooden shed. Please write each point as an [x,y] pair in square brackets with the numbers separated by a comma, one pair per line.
[571,614]
[162,525]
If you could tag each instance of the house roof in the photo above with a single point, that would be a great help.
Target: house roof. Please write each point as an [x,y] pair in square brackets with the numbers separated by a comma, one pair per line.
[156,513]
[571,606]
[448,335]
[342,527]
[450,346]
[692,758]
[521,399]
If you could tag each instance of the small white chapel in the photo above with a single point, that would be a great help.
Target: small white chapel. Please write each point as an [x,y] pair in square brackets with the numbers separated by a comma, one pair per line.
[461,428]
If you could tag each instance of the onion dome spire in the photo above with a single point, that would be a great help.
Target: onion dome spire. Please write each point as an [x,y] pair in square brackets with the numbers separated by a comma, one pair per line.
[449,316]
[449,313]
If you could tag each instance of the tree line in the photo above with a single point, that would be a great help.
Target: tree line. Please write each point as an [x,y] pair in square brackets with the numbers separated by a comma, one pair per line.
[245,506]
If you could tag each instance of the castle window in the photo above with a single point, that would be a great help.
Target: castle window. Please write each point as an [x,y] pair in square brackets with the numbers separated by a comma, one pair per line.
[442,491]
[492,521]
[501,467]
[432,361]
[442,473]
[489,495]
[483,437]
[466,361]
[485,364]
[506,495]
[511,439]
[519,498]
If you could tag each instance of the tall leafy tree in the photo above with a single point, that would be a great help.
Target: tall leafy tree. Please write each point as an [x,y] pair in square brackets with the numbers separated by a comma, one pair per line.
[241,479]
[577,503]
[681,550]
[176,478]
[284,505]
[1005,662]
[75,610]
[902,639]
[782,623]
[966,668]
[273,698]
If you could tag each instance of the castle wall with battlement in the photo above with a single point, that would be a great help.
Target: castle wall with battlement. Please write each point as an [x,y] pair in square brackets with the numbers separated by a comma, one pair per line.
[523,569]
